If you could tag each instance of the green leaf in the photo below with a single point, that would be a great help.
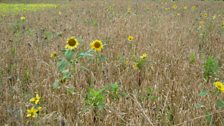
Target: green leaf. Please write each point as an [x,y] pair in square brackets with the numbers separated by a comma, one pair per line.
[204,93]
[66,74]
[62,65]
[85,54]
[69,54]
[56,84]
[199,105]
[220,104]
[209,118]
[103,58]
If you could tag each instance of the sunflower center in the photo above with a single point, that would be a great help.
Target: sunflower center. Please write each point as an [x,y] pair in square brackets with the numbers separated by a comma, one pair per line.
[97,45]
[219,86]
[72,42]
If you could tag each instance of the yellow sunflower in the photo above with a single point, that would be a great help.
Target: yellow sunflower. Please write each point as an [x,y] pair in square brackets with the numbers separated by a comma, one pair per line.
[130,38]
[53,54]
[97,45]
[174,6]
[193,8]
[72,43]
[219,85]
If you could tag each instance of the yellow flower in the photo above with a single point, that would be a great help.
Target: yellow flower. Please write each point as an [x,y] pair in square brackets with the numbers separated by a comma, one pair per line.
[72,43]
[193,8]
[204,15]
[32,112]
[174,6]
[143,56]
[219,85]
[130,38]
[22,18]
[39,108]
[185,7]
[129,10]
[167,9]
[97,45]
[53,54]
[36,99]
[214,17]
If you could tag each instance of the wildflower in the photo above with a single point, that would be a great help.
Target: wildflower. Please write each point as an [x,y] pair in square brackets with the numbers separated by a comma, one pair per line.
[204,15]
[72,43]
[214,17]
[178,14]
[97,45]
[129,10]
[193,8]
[36,99]
[39,108]
[167,9]
[130,38]
[174,6]
[59,12]
[219,85]
[32,112]
[22,18]
[53,54]
[143,56]
[185,7]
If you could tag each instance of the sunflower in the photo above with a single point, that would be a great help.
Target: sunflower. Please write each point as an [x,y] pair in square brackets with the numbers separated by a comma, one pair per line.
[174,6]
[130,38]
[193,8]
[96,45]
[53,54]
[219,85]
[72,43]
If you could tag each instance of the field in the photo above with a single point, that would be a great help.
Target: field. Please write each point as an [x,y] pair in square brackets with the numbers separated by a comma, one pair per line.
[112,63]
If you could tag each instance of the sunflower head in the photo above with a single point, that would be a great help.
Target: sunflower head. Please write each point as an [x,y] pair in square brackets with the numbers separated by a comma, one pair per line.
[96,45]
[204,15]
[174,6]
[53,54]
[72,43]
[130,38]
[193,8]
[219,85]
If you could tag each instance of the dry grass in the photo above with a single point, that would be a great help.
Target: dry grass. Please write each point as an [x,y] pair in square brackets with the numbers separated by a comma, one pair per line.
[168,39]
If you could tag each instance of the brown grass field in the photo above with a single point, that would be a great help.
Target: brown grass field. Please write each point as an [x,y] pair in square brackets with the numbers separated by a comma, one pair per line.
[169,89]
